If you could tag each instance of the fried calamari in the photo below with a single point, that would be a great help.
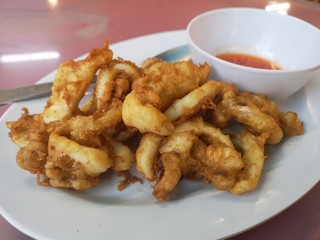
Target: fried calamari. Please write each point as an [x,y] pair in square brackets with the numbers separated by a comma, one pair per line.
[162,84]
[165,119]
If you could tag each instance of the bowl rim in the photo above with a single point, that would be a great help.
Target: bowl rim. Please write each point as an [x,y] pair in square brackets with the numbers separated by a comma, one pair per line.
[240,67]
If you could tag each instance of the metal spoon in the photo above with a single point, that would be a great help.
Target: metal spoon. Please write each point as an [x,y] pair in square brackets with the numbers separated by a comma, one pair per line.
[8,96]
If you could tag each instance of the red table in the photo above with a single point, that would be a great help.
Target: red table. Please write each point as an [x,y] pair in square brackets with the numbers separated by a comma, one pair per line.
[73,27]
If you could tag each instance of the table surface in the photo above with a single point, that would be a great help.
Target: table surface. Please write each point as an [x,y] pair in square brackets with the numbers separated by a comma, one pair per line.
[73,27]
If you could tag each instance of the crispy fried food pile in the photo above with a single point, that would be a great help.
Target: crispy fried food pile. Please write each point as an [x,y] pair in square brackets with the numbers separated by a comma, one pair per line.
[167,120]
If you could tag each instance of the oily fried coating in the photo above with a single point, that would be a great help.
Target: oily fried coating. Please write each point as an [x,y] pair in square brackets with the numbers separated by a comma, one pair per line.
[71,165]
[264,115]
[209,133]
[122,157]
[147,63]
[33,157]
[80,128]
[170,178]
[127,180]
[290,124]
[28,128]
[288,121]
[152,94]
[221,117]
[94,160]
[114,81]
[123,135]
[145,117]
[253,118]
[69,174]
[71,82]
[165,82]
[200,98]
[199,149]
[181,143]
[176,149]
[220,157]
[146,155]
[31,134]
[221,166]
[218,162]
[252,149]
[178,142]
[221,162]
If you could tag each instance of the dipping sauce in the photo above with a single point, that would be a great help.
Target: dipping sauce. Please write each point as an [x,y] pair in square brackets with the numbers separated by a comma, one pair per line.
[248,60]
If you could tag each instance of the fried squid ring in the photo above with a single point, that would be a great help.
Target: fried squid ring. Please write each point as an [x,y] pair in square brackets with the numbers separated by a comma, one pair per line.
[288,121]
[253,118]
[71,165]
[71,82]
[123,158]
[114,81]
[252,149]
[146,155]
[78,127]
[181,143]
[153,93]
[170,178]
[209,133]
[145,117]
[219,162]
[222,162]
[95,161]
[221,166]
[201,98]
[166,82]
[178,142]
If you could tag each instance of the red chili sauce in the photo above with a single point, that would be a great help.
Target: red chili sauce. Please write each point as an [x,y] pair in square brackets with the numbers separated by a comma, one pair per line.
[248,60]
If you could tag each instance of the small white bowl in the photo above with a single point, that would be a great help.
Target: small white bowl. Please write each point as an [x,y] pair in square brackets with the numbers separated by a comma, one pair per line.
[290,42]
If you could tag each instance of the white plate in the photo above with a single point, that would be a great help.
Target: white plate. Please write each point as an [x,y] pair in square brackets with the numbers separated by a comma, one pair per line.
[195,211]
